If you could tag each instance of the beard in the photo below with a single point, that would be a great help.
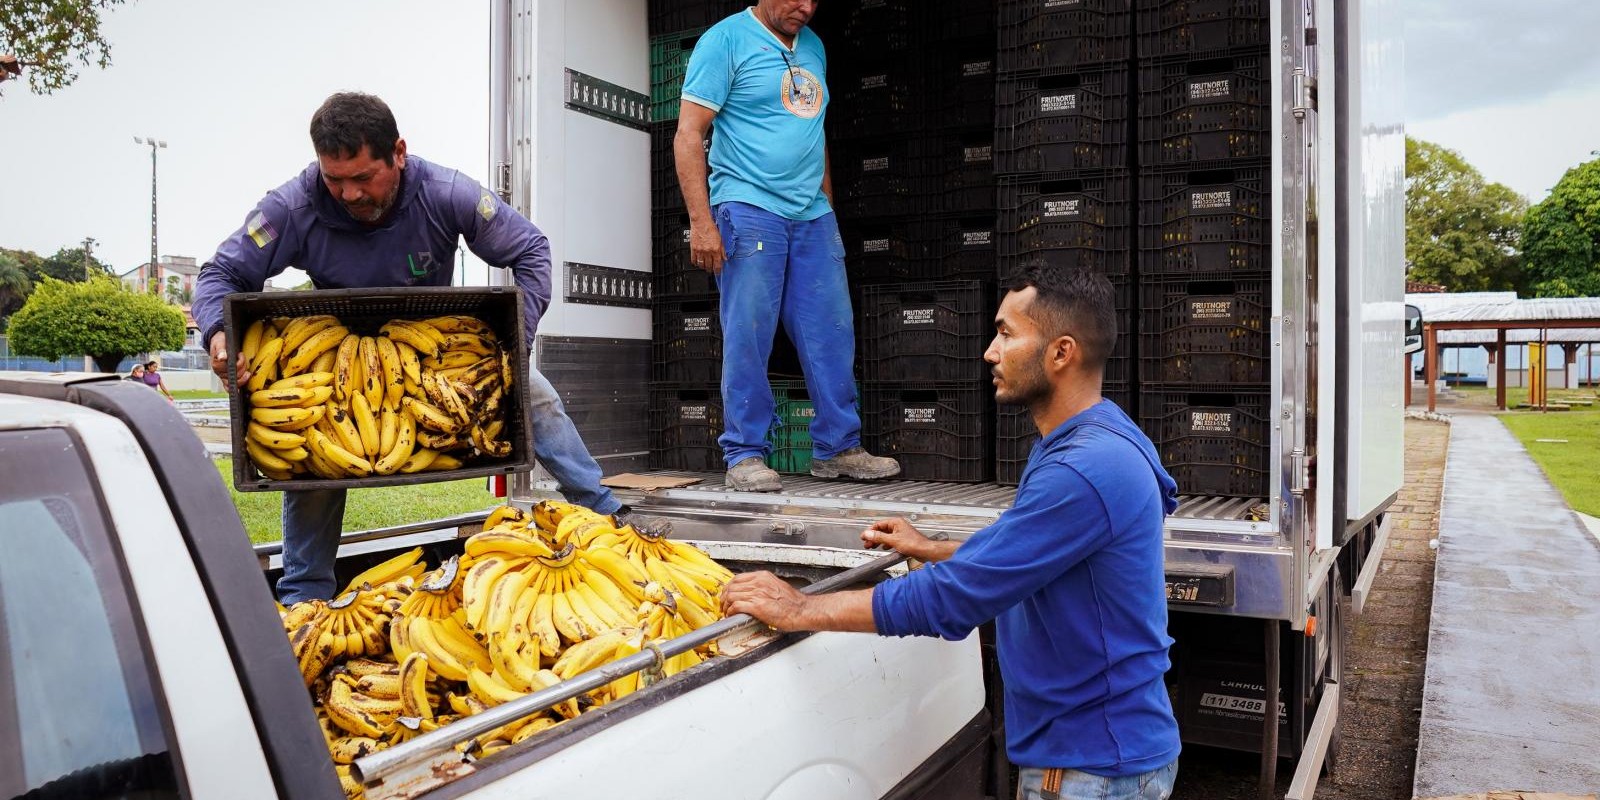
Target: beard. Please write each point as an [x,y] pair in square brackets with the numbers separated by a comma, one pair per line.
[1028,385]
[369,211]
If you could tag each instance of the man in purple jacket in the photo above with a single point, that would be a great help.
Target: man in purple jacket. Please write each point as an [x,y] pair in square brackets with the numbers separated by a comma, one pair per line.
[1072,574]
[367,214]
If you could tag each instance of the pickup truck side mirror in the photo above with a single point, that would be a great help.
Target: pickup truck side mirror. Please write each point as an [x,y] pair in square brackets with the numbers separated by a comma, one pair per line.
[1413,329]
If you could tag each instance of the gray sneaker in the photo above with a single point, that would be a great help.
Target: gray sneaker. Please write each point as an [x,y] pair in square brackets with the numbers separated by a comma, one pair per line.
[753,475]
[856,464]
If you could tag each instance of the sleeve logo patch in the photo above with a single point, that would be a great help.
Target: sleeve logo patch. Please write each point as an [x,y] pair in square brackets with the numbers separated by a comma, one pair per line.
[486,207]
[260,230]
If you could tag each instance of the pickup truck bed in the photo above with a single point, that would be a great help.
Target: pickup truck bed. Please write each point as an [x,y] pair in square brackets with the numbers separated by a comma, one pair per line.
[105,473]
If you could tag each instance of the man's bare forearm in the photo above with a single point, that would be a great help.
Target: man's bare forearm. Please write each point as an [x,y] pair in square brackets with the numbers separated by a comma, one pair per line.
[688,149]
[839,611]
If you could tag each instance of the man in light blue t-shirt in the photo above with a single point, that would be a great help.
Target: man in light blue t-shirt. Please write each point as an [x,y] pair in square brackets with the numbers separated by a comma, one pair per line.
[765,227]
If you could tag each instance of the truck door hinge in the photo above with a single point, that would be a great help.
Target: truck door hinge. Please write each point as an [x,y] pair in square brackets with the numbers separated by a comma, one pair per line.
[1299,472]
[502,180]
[1305,94]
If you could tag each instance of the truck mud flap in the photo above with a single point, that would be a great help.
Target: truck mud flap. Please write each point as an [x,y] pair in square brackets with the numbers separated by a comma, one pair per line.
[956,771]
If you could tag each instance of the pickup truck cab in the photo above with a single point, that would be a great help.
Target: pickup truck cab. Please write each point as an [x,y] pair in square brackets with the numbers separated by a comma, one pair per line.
[140,654]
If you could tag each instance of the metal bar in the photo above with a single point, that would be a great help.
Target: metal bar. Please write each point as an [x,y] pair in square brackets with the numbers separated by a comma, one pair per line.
[1430,361]
[1304,784]
[1369,570]
[1269,717]
[1500,373]
[357,537]
[386,762]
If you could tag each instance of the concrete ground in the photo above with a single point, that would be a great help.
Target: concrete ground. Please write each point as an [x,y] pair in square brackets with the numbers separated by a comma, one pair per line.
[1512,696]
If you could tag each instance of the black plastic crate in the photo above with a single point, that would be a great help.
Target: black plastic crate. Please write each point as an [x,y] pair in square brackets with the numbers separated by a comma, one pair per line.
[886,249]
[1206,331]
[1206,221]
[1073,121]
[1205,109]
[955,20]
[1169,28]
[364,311]
[676,15]
[1213,441]
[685,422]
[959,92]
[938,432]
[1082,221]
[665,194]
[880,99]
[1015,434]
[885,178]
[687,341]
[1043,35]
[963,247]
[673,274]
[963,173]
[892,25]
[926,332]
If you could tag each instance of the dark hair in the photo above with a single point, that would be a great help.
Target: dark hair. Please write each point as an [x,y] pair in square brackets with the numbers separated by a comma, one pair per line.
[347,121]
[1071,302]
[151,363]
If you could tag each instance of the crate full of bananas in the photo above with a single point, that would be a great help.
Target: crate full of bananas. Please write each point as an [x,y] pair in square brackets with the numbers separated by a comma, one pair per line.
[536,598]
[377,387]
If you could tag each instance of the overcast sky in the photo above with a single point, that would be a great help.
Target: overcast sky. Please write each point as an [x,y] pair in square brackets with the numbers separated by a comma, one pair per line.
[1512,84]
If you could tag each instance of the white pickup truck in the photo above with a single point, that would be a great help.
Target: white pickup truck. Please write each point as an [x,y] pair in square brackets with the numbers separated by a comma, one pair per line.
[140,656]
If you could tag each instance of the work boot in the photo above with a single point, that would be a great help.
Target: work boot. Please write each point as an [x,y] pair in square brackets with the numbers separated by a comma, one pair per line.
[753,475]
[653,527]
[855,464]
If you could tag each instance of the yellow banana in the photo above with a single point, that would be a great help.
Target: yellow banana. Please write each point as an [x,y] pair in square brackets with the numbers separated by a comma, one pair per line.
[505,513]
[345,713]
[312,347]
[494,448]
[567,621]
[388,428]
[264,370]
[286,419]
[449,633]
[346,749]
[372,376]
[405,440]
[502,601]
[544,679]
[301,329]
[337,456]
[511,544]
[606,591]
[593,609]
[344,365]
[451,360]
[442,462]
[366,427]
[252,341]
[398,330]
[410,362]
[346,433]
[325,362]
[440,661]
[468,342]
[273,439]
[430,416]
[587,655]
[439,441]
[627,684]
[394,386]
[682,552]
[451,401]
[385,572]
[479,583]
[419,460]
[459,323]
[400,638]
[284,398]
[265,458]
[541,623]
[382,687]
[414,687]
[618,568]
[490,689]
[304,380]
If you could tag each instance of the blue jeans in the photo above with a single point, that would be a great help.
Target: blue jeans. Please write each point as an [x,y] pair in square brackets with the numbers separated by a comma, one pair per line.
[1075,785]
[793,271]
[314,519]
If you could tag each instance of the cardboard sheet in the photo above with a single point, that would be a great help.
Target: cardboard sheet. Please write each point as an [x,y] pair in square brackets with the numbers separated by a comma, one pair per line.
[629,480]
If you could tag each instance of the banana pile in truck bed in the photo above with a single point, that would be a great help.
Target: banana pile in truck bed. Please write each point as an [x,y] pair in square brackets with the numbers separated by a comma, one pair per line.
[422,395]
[534,600]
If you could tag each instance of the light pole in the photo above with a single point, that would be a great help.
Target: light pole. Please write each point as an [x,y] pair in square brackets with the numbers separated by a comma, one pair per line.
[150,273]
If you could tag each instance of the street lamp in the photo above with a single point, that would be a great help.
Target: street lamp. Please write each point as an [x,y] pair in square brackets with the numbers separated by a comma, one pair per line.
[151,140]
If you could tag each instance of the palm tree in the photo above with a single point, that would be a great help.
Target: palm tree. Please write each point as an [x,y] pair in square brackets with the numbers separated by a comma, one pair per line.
[14,285]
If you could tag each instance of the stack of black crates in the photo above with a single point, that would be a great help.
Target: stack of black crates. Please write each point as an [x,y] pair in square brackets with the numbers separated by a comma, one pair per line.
[1203,74]
[911,138]
[1063,124]
[685,389]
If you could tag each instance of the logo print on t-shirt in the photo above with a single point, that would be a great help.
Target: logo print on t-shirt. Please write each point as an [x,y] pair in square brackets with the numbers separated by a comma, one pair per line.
[802,93]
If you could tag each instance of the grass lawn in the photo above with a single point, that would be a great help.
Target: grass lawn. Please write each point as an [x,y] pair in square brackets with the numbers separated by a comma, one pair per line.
[197,394]
[366,508]
[1571,466]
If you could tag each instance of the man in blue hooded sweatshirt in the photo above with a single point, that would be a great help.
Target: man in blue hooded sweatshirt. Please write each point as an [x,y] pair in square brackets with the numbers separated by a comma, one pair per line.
[1072,574]
[368,214]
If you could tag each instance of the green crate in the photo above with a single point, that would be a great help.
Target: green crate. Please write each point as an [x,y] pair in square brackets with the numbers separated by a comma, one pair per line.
[791,437]
[669,60]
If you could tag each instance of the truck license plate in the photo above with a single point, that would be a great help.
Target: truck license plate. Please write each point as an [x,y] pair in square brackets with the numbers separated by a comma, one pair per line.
[1231,703]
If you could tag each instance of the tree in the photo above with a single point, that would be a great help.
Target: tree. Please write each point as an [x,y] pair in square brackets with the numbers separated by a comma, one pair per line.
[15,285]
[50,39]
[1461,231]
[1561,236]
[67,265]
[99,318]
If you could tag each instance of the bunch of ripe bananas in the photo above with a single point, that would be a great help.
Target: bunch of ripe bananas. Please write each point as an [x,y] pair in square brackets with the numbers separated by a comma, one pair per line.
[537,598]
[421,395]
